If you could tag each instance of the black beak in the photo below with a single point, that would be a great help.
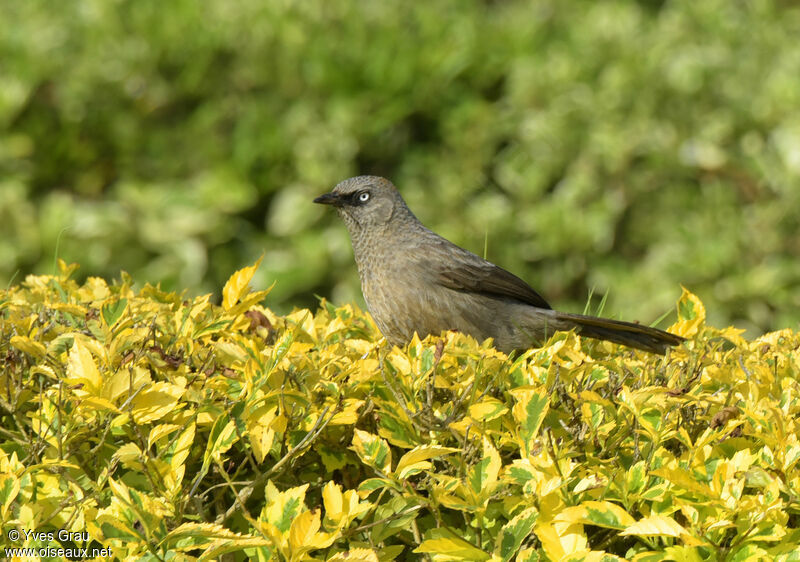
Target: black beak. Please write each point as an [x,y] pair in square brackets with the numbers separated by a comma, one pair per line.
[330,199]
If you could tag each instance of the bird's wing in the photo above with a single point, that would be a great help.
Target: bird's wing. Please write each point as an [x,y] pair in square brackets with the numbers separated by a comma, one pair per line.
[461,270]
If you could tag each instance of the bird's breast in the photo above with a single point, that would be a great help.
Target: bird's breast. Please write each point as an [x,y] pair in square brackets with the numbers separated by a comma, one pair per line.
[389,289]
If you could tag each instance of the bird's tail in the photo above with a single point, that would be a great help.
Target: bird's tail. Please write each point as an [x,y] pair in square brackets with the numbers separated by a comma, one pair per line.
[617,331]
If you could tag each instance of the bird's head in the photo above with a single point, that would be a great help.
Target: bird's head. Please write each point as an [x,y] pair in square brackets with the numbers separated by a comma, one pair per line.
[365,202]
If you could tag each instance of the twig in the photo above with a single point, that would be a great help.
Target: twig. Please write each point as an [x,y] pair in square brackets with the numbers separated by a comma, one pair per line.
[309,438]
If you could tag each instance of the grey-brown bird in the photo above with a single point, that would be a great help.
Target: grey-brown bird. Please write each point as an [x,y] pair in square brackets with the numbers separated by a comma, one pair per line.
[414,280]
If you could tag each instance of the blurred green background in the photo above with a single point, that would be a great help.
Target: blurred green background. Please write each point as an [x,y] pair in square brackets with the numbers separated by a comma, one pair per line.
[621,146]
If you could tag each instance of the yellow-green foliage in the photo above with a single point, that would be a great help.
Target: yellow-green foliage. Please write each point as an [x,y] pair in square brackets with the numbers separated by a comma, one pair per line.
[173,428]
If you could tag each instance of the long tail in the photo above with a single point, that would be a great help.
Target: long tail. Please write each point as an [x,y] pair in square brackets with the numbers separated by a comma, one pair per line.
[625,333]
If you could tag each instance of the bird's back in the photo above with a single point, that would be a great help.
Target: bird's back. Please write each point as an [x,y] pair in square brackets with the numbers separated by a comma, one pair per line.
[406,292]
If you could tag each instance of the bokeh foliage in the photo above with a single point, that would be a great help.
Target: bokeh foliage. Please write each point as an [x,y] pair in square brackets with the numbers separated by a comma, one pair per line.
[622,146]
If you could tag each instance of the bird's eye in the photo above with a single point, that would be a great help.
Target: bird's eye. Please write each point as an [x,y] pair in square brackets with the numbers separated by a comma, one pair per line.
[363,197]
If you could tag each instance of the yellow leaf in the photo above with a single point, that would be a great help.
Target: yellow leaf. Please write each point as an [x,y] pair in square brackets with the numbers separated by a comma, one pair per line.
[341,509]
[303,321]
[415,458]
[360,347]
[655,525]
[348,415]
[44,370]
[29,346]
[304,533]
[333,501]
[112,519]
[685,480]
[661,526]
[683,553]
[156,401]
[130,455]
[237,285]
[207,530]
[589,483]
[81,368]
[454,548]
[119,490]
[599,513]
[95,289]
[532,405]
[493,469]
[560,538]
[260,431]
[691,315]
[159,431]
[527,554]
[119,383]
[482,476]
[487,410]
[182,446]
[303,529]
[99,404]
[66,270]
[586,555]
[229,350]
[594,398]
[334,326]
[373,450]
[70,308]
[355,555]
[283,507]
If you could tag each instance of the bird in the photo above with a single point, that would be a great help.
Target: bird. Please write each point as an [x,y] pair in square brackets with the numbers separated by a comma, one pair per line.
[414,280]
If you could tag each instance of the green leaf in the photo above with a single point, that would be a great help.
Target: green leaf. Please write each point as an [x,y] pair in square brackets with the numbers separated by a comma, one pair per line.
[514,532]
[373,451]
[282,508]
[394,516]
[529,412]
[371,484]
[482,476]
[636,477]
[113,311]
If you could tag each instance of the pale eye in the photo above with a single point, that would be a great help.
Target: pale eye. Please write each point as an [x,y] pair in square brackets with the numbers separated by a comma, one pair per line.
[363,197]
